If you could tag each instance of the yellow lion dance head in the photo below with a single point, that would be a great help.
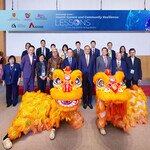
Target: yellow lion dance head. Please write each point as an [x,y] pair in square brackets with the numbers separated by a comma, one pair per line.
[117,104]
[67,90]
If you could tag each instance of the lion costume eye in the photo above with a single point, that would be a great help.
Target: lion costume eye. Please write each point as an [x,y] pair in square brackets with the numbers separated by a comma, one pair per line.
[77,82]
[100,83]
[57,81]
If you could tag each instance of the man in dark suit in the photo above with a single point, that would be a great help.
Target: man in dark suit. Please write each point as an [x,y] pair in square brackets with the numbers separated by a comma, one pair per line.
[111,53]
[43,50]
[28,63]
[87,67]
[134,71]
[103,62]
[119,65]
[70,60]
[78,51]
[25,52]
[94,51]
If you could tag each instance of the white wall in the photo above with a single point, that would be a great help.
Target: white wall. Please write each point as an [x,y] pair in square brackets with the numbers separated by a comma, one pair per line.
[15,41]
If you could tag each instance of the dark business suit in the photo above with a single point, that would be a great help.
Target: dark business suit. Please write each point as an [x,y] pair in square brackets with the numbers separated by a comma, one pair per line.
[88,72]
[46,53]
[96,53]
[134,71]
[78,53]
[41,83]
[73,64]
[11,76]
[100,64]
[115,68]
[28,72]
[113,54]
[124,56]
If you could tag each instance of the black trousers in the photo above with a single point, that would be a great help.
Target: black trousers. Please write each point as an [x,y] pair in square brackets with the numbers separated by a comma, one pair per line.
[87,91]
[130,82]
[51,84]
[12,94]
[41,84]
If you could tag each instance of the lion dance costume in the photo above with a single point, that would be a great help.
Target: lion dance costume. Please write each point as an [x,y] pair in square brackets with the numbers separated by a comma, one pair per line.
[39,111]
[117,104]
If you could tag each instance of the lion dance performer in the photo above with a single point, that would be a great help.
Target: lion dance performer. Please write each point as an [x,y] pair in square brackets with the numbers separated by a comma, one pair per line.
[39,111]
[117,104]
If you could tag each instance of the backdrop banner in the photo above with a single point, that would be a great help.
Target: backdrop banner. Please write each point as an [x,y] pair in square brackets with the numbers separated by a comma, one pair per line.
[74,20]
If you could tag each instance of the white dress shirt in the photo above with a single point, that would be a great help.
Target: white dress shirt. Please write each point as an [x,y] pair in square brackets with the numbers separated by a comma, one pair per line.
[31,58]
[132,59]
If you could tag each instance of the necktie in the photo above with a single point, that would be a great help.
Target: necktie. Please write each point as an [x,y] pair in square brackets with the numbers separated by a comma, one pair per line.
[118,64]
[105,61]
[70,61]
[87,60]
[93,51]
[109,53]
[43,51]
[78,51]
[43,69]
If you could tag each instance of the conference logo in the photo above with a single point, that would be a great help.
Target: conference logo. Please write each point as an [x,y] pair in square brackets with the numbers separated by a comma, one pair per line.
[13,15]
[27,15]
[13,25]
[32,25]
[40,17]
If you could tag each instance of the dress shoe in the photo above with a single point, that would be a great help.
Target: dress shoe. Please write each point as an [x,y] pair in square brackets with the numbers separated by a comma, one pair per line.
[8,105]
[90,106]
[84,106]
[14,105]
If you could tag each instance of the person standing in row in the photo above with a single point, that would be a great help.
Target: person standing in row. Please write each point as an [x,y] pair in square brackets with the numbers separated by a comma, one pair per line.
[25,52]
[11,78]
[28,63]
[111,52]
[70,60]
[134,70]
[41,73]
[124,55]
[119,64]
[78,51]
[64,50]
[54,62]
[103,62]
[94,51]
[87,67]
[43,50]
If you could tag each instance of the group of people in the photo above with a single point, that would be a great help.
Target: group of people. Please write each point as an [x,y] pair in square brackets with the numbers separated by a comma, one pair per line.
[40,64]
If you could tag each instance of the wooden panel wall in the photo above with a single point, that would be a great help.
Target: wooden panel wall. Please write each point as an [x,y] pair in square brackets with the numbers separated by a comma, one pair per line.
[145,60]
[2,33]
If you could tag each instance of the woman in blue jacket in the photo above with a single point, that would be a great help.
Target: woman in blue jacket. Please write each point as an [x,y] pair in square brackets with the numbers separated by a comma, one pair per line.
[11,78]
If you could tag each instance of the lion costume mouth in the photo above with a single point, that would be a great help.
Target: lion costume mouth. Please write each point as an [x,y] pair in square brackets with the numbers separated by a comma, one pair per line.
[67,103]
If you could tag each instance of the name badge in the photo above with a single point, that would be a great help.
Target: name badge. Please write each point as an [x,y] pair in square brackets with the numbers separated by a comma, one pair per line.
[43,74]
[52,69]
[132,71]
